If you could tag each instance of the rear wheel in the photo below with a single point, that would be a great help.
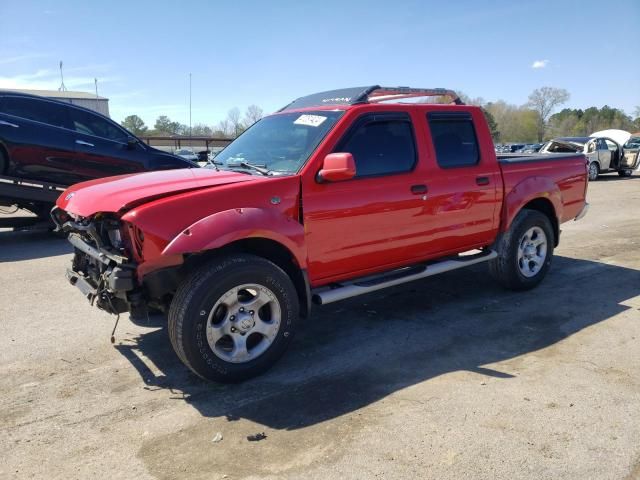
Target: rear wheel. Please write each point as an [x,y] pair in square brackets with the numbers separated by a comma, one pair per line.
[594,171]
[524,252]
[625,173]
[233,318]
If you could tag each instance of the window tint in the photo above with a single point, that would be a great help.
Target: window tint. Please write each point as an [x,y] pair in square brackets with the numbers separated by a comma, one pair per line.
[381,146]
[37,110]
[454,139]
[86,122]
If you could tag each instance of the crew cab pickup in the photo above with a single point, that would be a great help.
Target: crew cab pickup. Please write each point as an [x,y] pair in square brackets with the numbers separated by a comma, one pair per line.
[338,194]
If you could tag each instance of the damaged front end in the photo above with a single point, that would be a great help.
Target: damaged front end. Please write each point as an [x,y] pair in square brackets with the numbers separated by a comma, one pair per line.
[102,268]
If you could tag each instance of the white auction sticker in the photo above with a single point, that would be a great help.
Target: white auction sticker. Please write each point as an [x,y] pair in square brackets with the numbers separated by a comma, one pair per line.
[310,120]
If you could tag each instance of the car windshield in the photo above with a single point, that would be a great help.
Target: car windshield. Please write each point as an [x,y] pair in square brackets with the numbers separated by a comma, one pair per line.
[281,144]
[633,142]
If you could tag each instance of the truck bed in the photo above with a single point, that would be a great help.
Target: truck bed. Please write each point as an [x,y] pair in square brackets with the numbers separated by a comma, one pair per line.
[506,158]
[561,175]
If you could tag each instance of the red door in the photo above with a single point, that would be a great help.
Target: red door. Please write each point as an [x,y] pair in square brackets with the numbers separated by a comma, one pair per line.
[371,222]
[464,183]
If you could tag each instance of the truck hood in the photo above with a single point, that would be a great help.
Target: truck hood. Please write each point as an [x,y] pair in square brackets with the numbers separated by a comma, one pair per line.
[116,194]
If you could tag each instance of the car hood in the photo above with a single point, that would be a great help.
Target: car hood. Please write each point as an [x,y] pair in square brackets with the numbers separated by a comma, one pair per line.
[115,194]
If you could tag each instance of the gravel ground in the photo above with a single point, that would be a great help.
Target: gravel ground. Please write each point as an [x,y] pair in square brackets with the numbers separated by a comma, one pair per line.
[446,378]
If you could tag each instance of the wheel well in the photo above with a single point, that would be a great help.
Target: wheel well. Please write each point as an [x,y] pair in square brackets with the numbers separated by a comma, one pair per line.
[544,206]
[3,154]
[274,252]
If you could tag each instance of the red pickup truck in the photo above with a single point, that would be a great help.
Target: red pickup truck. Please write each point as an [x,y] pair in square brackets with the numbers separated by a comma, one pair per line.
[338,194]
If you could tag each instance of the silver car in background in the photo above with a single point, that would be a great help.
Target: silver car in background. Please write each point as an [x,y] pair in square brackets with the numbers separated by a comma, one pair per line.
[604,154]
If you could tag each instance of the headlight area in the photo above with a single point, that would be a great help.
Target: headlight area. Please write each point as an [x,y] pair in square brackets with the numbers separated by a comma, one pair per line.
[104,263]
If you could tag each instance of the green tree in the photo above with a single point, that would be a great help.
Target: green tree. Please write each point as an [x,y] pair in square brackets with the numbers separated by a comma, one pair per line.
[135,125]
[164,126]
[201,130]
[493,126]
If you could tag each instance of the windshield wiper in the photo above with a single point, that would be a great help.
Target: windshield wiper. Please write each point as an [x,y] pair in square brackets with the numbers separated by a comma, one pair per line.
[264,171]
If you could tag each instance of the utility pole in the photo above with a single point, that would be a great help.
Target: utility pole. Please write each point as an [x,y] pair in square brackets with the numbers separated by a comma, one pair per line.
[190,109]
[62,87]
[97,102]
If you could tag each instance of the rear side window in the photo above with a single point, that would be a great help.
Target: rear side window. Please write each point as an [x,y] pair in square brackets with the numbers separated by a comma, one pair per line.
[454,139]
[86,122]
[381,145]
[37,110]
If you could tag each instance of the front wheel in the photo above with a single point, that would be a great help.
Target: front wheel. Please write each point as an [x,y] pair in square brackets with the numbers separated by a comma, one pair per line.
[233,318]
[594,171]
[524,251]
[625,173]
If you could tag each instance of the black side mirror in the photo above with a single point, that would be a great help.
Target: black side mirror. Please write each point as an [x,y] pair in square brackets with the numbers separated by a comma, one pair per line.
[132,142]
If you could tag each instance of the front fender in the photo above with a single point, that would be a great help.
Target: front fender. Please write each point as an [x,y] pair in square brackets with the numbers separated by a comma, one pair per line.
[532,188]
[228,226]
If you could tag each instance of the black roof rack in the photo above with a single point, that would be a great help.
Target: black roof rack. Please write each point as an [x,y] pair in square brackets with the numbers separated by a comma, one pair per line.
[375,93]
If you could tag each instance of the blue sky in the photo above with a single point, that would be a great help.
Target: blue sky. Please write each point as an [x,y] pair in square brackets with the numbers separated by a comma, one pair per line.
[270,52]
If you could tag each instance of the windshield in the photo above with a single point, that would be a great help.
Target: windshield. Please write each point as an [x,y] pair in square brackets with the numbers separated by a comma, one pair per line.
[281,143]
[633,142]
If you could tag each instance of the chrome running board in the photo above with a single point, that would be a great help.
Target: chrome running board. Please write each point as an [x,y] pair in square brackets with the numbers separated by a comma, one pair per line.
[353,288]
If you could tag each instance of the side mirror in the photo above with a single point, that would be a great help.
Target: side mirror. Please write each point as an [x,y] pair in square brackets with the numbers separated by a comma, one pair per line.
[132,142]
[337,167]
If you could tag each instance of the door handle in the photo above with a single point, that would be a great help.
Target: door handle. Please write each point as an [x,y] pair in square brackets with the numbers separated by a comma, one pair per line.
[86,144]
[482,181]
[419,189]
[2,122]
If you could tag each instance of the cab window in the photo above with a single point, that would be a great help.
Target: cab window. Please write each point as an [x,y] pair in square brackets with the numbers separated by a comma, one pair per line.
[454,139]
[381,144]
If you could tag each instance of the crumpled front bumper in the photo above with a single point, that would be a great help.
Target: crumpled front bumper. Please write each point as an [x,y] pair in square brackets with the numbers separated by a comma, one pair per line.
[111,285]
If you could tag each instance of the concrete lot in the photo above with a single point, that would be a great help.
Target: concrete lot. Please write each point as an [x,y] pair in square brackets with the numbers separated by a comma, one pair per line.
[446,378]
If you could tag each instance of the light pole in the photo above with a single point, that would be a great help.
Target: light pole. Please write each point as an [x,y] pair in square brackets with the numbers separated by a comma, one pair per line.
[190,109]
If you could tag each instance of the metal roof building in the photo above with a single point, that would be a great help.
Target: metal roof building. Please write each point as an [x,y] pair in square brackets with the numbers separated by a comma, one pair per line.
[82,99]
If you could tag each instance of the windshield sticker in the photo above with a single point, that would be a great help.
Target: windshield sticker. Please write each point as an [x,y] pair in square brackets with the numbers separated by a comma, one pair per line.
[310,120]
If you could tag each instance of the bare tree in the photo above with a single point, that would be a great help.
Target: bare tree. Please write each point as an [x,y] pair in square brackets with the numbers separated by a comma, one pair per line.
[234,119]
[222,129]
[252,115]
[543,101]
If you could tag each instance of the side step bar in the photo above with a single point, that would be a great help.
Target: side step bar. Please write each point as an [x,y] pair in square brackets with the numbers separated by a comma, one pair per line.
[341,291]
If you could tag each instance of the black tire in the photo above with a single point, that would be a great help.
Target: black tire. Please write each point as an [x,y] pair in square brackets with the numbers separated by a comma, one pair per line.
[625,173]
[193,304]
[506,269]
[594,171]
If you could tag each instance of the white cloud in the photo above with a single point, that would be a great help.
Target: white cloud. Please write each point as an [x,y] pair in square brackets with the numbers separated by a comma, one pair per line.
[19,58]
[49,79]
[540,64]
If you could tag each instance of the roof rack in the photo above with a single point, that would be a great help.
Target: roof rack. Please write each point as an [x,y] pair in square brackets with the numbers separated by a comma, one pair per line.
[372,94]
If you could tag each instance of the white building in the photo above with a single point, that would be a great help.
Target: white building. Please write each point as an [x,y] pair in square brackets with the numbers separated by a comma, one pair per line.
[82,99]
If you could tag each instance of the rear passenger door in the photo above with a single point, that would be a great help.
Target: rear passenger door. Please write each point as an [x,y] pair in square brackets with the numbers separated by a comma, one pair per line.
[101,147]
[464,182]
[35,132]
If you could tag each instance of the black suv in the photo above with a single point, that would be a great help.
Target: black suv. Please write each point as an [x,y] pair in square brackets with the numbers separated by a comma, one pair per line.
[50,141]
